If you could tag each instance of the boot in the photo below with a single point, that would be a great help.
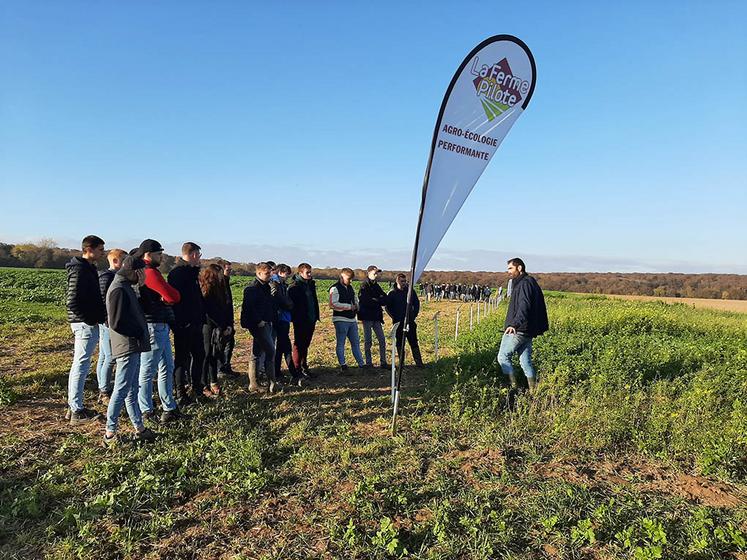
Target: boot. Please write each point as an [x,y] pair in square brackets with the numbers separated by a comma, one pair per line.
[253,385]
[512,380]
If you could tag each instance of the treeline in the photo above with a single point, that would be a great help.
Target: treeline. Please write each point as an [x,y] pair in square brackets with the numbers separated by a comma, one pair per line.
[713,286]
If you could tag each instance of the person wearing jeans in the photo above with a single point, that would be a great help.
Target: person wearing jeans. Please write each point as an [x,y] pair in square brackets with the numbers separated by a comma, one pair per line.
[157,297]
[372,299]
[129,337]
[344,304]
[526,318]
[105,363]
[85,311]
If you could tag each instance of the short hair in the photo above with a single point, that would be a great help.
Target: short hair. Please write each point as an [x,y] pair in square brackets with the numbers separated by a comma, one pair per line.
[91,242]
[347,272]
[190,247]
[516,261]
[116,254]
[284,269]
[271,263]
[262,266]
[303,266]
[401,275]
[372,267]
[223,262]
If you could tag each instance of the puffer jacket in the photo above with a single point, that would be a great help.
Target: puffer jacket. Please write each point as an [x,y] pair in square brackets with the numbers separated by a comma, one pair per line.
[84,301]
[106,277]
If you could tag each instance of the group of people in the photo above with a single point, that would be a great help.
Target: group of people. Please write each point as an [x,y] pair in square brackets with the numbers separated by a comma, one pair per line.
[461,292]
[130,309]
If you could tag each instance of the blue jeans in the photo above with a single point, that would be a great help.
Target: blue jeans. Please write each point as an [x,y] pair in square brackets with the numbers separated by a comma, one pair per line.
[86,337]
[125,392]
[159,358]
[105,361]
[516,344]
[348,330]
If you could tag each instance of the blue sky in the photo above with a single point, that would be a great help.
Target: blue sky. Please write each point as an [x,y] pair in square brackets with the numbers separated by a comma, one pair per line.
[268,130]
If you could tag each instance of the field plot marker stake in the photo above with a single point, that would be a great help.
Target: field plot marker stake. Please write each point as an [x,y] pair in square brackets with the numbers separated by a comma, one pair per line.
[393,361]
[435,331]
[470,316]
[478,312]
[456,329]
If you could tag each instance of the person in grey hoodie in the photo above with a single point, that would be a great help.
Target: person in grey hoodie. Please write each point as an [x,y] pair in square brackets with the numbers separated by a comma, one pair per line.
[129,337]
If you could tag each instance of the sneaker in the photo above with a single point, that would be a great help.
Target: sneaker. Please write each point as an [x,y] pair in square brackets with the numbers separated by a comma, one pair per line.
[67,414]
[83,416]
[147,435]
[344,370]
[169,416]
[297,380]
[150,416]
[103,398]
[111,441]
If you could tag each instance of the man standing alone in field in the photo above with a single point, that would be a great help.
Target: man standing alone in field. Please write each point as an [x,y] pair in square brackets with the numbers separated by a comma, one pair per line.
[526,318]
[344,304]
[304,315]
[372,299]
[85,311]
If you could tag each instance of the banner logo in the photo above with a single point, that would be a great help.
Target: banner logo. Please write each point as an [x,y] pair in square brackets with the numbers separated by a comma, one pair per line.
[497,87]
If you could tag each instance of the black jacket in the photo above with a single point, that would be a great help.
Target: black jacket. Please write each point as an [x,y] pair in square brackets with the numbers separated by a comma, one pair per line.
[526,308]
[397,304]
[371,298]
[105,280]
[189,310]
[257,305]
[127,327]
[229,296]
[84,301]
[305,301]
[218,312]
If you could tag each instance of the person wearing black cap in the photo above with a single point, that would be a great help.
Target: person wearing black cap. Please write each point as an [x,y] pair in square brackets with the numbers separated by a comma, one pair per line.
[372,298]
[157,298]
[189,351]
[129,337]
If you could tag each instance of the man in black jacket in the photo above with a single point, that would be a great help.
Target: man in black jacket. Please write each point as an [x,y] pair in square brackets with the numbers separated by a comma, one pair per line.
[189,351]
[526,318]
[85,311]
[371,299]
[257,315]
[304,315]
[396,307]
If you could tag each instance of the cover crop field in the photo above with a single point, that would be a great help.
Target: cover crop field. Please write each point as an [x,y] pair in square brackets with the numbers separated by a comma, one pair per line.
[635,446]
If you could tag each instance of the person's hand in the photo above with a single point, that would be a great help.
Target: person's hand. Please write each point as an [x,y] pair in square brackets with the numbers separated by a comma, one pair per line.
[261,324]
[510,330]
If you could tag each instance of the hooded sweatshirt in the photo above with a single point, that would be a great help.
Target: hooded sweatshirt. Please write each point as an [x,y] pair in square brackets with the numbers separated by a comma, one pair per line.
[127,326]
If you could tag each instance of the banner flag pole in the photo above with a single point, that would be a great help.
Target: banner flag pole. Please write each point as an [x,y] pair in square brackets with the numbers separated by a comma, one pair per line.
[488,93]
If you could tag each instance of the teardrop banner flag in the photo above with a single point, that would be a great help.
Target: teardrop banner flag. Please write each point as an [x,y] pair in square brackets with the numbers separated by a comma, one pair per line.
[488,93]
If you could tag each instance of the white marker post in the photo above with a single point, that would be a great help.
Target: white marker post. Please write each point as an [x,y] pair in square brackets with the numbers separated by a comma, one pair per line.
[393,361]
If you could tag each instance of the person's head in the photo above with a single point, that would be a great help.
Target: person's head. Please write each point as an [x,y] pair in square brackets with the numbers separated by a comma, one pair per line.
[191,253]
[283,271]
[151,251]
[211,280]
[373,272]
[273,267]
[304,271]
[516,268]
[346,275]
[227,267]
[116,257]
[92,247]
[401,281]
[133,269]
[263,272]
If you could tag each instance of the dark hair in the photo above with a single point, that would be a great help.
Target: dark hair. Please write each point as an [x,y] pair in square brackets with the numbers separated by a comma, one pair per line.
[304,266]
[284,268]
[401,275]
[190,247]
[372,267]
[91,242]
[271,263]
[262,266]
[516,261]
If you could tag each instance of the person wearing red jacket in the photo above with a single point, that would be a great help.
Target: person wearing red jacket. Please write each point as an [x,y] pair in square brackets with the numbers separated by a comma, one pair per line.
[157,296]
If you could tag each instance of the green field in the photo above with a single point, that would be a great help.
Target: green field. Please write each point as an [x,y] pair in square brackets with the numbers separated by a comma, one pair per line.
[635,446]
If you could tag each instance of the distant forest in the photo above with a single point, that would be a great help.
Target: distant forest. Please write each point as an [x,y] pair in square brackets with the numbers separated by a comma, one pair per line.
[713,286]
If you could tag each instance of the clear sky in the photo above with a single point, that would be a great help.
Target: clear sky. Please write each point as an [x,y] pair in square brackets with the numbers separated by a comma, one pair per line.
[276,130]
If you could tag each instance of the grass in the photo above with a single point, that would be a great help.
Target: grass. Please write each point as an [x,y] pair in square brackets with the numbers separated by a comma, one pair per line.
[633,448]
